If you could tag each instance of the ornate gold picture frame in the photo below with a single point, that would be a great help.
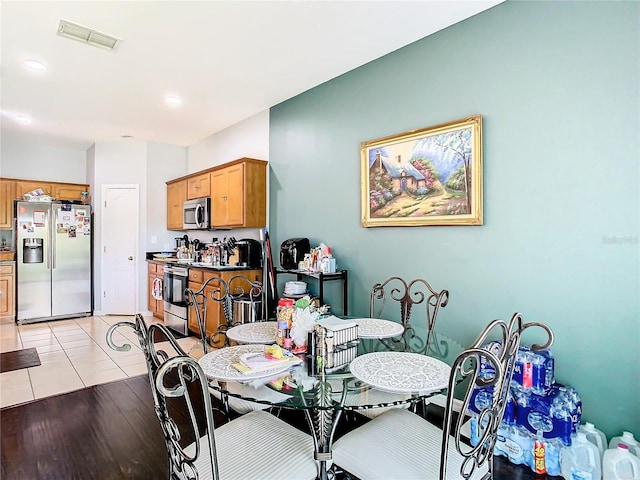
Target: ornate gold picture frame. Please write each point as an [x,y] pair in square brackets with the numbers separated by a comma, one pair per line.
[431,176]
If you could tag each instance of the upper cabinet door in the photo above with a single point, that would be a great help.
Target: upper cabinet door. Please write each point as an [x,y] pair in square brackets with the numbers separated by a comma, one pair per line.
[7,195]
[69,191]
[198,187]
[235,195]
[239,197]
[176,196]
[26,186]
[219,198]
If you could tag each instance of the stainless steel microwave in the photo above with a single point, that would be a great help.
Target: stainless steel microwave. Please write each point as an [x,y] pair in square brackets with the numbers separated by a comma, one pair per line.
[196,214]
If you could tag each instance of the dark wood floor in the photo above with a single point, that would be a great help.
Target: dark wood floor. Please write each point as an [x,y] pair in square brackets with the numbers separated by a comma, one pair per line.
[18,359]
[106,432]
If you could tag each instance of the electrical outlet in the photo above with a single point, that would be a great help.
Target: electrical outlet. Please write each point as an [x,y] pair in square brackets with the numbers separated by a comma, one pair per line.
[167,246]
[154,240]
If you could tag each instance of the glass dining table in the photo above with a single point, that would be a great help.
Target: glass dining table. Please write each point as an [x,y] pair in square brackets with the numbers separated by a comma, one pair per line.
[370,374]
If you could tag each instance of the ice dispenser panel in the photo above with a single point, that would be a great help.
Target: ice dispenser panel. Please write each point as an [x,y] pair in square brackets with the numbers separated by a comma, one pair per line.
[32,250]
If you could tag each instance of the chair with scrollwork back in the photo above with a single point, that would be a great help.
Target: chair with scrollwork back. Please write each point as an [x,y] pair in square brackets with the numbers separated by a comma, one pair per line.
[226,293]
[196,448]
[384,298]
[419,294]
[372,451]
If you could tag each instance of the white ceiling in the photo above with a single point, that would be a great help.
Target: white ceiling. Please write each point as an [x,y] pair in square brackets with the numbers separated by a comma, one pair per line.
[227,60]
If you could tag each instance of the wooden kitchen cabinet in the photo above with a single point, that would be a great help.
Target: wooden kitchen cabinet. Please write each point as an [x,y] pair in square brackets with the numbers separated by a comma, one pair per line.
[214,316]
[199,186]
[68,191]
[176,196]
[155,271]
[12,189]
[58,190]
[195,283]
[25,186]
[7,292]
[7,195]
[239,194]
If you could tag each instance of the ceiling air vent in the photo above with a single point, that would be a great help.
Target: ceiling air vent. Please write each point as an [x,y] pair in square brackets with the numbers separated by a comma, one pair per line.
[87,35]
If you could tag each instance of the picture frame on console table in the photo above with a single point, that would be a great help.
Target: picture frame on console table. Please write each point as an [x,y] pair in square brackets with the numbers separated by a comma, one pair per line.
[430,176]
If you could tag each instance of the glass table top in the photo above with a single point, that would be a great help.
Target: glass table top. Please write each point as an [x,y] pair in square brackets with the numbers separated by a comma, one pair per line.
[380,377]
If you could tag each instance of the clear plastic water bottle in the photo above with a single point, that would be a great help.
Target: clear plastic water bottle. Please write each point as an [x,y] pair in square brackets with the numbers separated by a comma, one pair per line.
[595,436]
[481,398]
[543,371]
[620,464]
[522,379]
[487,371]
[627,439]
[581,461]
[522,443]
[522,401]
[561,417]
[553,451]
[509,417]
[576,408]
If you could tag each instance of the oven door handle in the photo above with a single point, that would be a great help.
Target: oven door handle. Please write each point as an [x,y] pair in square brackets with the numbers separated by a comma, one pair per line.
[165,290]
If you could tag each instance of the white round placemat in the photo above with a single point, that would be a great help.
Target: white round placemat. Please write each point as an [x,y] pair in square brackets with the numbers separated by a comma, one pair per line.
[256,332]
[401,372]
[377,328]
[219,364]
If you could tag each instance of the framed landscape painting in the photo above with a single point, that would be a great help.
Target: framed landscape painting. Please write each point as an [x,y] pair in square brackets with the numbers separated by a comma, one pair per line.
[431,176]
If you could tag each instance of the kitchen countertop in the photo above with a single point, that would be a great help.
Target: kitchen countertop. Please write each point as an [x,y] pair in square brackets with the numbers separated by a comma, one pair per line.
[202,266]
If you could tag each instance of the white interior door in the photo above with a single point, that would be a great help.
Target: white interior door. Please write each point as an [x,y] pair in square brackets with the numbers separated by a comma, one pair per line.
[120,212]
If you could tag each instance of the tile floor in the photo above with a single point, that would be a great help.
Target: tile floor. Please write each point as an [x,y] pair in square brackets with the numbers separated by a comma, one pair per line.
[73,353]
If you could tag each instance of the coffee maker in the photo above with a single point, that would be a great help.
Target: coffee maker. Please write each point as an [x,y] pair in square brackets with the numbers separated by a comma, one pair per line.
[292,252]
[249,253]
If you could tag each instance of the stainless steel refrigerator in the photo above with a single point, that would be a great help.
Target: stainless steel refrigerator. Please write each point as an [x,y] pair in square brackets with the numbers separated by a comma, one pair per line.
[53,243]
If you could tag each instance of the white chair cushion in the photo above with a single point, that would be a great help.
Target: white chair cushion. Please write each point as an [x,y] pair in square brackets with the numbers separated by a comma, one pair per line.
[398,444]
[374,397]
[244,406]
[259,446]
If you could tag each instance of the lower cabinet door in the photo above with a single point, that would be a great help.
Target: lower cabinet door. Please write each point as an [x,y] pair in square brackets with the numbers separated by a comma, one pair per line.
[6,297]
[193,321]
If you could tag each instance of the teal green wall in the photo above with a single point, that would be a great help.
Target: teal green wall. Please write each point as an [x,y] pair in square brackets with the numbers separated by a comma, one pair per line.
[558,86]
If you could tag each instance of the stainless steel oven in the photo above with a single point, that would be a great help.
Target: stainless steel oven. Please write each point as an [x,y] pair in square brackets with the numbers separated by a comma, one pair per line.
[176,281]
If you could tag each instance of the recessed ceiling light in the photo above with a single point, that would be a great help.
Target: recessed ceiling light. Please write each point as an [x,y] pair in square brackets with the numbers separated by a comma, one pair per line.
[23,119]
[173,100]
[34,65]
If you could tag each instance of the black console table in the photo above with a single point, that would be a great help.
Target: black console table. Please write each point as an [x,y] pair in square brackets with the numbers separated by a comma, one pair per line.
[321,278]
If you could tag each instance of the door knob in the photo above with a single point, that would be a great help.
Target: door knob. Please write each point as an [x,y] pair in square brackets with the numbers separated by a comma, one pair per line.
[130,258]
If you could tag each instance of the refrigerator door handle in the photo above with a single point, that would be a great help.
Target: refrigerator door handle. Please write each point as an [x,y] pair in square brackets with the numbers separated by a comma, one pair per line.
[52,233]
[47,252]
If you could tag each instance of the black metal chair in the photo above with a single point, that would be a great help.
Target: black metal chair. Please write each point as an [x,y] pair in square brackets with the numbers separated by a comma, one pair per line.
[254,446]
[402,444]
[226,294]
[384,298]
[237,289]
[417,293]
